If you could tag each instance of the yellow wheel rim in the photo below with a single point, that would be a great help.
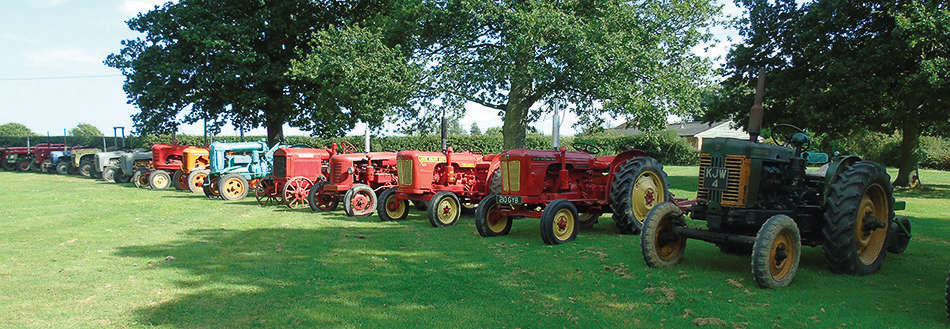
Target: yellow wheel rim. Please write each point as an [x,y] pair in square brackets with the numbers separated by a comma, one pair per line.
[872,222]
[447,210]
[648,191]
[394,208]
[782,256]
[199,180]
[563,224]
[669,244]
[233,187]
[159,180]
[496,222]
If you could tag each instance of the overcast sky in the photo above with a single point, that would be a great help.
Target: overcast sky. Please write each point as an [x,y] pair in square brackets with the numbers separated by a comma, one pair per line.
[52,76]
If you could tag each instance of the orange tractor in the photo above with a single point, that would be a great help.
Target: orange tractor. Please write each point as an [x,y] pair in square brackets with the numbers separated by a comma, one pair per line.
[354,179]
[295,172]
[443,182]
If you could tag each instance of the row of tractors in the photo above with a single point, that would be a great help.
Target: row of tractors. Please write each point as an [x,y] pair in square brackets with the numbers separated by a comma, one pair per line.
[761,200]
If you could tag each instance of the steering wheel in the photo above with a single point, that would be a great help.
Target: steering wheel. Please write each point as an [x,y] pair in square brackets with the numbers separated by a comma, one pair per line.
[786,131]
[586,147]
[347,147]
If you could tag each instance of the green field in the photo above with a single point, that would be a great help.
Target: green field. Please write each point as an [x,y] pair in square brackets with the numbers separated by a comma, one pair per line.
[81,253]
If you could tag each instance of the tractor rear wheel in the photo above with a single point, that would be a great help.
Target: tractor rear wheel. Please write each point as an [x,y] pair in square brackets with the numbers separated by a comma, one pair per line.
[62,168]
[159,180]
[494,183]
[587,220]
[24,165]
[296,192]
[444,209]
[196,180]
[559,222]
[321,201]
[141,178]
[776,252]
[233,187]
[210,188]
[660,244]
[180,180]
[391,208]
[860,205]
[360,200]
[266,193]
[638,185]
[488,219]
[899,235]
[109,174]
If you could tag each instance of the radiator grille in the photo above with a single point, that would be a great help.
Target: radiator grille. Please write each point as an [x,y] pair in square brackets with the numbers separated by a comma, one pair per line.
[404,171]
[338,172]
[511,176]
[735,193]
[280,166]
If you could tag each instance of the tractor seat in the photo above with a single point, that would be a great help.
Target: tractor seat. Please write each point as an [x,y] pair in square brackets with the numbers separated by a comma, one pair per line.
[820,172]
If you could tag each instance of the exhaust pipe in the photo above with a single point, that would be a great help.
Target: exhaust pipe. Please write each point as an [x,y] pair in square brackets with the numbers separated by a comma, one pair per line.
[757,112]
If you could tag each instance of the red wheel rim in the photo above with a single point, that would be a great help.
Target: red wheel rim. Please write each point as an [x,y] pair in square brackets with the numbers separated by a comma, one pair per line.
[360,203]
[296,191]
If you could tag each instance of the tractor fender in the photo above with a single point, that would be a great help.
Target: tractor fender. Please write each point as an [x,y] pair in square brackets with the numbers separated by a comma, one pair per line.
[492,166]
[619,160]
[835,167]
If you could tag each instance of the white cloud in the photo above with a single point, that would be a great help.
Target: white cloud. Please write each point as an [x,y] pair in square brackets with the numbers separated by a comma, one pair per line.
[133,7]
[60,56]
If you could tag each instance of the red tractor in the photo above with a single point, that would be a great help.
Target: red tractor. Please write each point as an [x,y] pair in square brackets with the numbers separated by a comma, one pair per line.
[444,182]
[28,158]
[165,169]
[294,173]
[354,179]
[568,190]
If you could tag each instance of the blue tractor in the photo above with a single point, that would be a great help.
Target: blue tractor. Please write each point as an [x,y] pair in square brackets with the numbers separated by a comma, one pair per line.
[237,168]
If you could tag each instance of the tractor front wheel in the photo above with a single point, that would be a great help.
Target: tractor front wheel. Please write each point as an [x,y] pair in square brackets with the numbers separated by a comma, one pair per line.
[660,244]
[109,174]
[776,252]
[559,222]
[210,188]
[159,180]
[360,200]
[180,180]
[391,208]
[860,205]
[85,169]
[297,191]
[141,178]
[233,187]
[488,218]
[444,209]
[24,165]
[637,186]
[62,168]
[321,201]
[196,180]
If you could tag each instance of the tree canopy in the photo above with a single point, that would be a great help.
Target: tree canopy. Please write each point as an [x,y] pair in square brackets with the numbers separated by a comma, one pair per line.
[630,59]
[85,130]
[836,67]
[259,63]
[14,129]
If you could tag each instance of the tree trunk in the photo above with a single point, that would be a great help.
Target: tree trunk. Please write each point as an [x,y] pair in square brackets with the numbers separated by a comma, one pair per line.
[275,130]
[910,147]
[516,112]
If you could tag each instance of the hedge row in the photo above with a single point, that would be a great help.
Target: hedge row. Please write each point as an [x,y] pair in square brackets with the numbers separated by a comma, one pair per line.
[666,147]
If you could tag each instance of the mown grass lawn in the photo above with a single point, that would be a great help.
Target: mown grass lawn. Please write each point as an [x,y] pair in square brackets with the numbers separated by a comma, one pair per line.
[81,253]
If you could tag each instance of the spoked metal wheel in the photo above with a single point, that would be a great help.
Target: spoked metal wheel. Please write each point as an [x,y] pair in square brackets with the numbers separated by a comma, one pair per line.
[266,193]
[296,191]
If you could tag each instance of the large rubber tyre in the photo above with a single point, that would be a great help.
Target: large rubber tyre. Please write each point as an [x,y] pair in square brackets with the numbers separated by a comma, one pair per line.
[210,188]
[488,222]
[659,243]
[899,239]
[179,180]
[233,187]
[159,180]
[444,209]
[62,168]
[559,222]
[140,178]
[860,203]
[24,165]
[196,180]
[587,220]
[360,200]
[637,186]
[494,183]
[321,201]
[108,174]
[85,169]
[391,208]
[776,252]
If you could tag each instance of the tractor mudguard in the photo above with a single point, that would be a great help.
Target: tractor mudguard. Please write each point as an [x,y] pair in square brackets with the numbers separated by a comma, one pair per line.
[835,167]
[621,159]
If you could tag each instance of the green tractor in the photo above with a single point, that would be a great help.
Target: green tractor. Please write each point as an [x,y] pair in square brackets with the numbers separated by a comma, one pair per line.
[768,200]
